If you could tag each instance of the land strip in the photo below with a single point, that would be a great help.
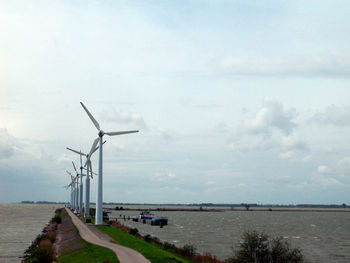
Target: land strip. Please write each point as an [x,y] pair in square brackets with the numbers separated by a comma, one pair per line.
[90,234]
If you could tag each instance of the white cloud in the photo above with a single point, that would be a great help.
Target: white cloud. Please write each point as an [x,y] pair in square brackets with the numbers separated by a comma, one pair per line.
[271,128]
[135,120]
[272,115]
[295,156]
[7,146]
[334,115]
[323,169]
[302,66]
[163,176]
[344,163]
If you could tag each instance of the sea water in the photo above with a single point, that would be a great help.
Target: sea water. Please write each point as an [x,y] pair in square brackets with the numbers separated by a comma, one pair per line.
[322,236]
[19,226]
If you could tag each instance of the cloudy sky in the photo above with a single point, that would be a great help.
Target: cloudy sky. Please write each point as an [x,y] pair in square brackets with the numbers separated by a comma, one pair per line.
[236,101]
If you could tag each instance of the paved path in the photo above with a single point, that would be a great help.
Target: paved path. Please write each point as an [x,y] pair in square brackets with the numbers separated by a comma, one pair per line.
[124,254]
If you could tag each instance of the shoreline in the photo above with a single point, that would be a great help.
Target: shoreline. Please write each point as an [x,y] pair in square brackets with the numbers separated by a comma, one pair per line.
[237,209]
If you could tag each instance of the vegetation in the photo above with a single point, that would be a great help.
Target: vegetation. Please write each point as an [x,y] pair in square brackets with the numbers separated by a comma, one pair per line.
[151,251]
[41,249]
[152,248]
[256,247]
[58,217]
[89,254]
[77,250]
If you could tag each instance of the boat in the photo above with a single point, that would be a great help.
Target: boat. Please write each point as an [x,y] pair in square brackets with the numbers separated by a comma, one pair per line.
[147,217]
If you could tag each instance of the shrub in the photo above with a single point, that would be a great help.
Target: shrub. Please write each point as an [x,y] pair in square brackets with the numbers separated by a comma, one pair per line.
[92,212]
[206,258]
[168,246]
[256,247]
[57,218]
[51,236]
[147,238]
[188,251]
[281,252]
[43,254]
[133,231]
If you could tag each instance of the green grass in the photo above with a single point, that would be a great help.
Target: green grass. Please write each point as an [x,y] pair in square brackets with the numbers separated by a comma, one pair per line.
[150,251]
[89,254]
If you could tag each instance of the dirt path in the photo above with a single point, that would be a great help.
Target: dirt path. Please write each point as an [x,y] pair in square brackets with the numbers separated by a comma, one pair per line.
[124,254]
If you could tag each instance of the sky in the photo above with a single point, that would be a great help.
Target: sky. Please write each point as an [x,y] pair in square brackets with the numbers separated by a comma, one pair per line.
[236,101]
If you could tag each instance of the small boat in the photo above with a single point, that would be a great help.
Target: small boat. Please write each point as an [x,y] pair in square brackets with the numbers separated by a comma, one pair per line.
[147,217]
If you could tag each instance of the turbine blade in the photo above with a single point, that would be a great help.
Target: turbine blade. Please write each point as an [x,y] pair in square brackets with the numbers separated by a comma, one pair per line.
[97,125]
[75,151]
[97,148]
[81,162]
[91,170]
[119,133]
[92,149]
[75,168]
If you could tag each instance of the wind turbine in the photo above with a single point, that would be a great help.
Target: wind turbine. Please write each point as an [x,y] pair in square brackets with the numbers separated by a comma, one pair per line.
[87,180]
[72,190]
[101,133]
[71,185]
[80,191]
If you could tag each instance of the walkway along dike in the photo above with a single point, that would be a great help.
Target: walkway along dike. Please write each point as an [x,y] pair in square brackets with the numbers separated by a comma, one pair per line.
[91,234]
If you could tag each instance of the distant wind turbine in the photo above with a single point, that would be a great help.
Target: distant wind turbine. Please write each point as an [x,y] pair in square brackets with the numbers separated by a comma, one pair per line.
[101,133]
[72,186]
[87,180]
[80,191]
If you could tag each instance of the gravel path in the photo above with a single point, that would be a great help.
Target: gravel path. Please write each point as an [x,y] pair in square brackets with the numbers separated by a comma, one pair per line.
[124,254]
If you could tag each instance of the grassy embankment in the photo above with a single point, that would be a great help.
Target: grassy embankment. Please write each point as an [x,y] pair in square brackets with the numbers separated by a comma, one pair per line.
[77,250]
[150,251]
[151,247]
[89,254]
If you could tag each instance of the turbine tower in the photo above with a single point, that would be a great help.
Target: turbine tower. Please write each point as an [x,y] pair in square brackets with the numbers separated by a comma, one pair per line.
[87,179]
[79,195]
[72,190]
[101,133]
[71,185]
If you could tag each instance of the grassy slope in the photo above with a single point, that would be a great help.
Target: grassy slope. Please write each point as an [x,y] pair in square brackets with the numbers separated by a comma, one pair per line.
[89,254]
[150,251]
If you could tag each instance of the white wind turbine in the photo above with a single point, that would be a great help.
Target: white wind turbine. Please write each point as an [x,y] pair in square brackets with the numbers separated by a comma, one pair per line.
[87,180]
[80,190]
[72,185]
[101,133]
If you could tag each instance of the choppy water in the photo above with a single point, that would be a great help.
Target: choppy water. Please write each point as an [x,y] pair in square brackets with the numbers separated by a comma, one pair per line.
[322,236]
[19,225]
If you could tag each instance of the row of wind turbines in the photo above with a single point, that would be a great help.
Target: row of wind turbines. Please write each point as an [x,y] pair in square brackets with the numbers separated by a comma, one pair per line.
[76,185]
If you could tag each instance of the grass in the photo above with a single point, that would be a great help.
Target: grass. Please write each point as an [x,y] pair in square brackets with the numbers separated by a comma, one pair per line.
[150,251]
[89,254]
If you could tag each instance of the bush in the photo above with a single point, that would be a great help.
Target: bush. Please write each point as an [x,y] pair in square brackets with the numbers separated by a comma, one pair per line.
[206,258]
[147,238]
[133,231]
[256,247]
[168,246]
[188,251]
[51,236]
[281,252]
[57,218]
[43,254]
